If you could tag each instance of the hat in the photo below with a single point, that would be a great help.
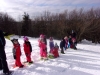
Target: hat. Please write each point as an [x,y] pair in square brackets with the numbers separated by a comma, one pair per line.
[51,38]
[41,36]
[25,38]
[14,40]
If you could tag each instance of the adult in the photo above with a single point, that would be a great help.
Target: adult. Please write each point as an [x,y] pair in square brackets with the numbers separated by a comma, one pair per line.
[73,36]
[3,62]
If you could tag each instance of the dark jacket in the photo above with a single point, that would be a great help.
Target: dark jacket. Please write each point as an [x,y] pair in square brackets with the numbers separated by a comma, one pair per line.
[2,39]
[62,43]
[73,35]
[2,44]
[70,40]
[45,40]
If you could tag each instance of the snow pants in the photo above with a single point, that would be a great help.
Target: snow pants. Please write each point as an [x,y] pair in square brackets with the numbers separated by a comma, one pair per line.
[17,61]
[62,50]
[43,53]
[28,57]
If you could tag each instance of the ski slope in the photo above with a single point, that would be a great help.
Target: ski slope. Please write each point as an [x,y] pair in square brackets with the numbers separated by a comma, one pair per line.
[84,61]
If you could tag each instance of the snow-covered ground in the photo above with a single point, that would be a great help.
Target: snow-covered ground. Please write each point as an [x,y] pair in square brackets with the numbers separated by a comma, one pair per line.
[84,61]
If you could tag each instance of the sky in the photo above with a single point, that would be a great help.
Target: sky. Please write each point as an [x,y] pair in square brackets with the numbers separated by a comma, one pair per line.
[16,8]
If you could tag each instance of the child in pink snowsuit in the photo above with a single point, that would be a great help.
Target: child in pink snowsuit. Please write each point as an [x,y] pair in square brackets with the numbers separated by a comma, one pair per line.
[66,42]
[42,46]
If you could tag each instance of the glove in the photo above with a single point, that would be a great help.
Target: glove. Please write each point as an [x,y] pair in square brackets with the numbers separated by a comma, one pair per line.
[14,56]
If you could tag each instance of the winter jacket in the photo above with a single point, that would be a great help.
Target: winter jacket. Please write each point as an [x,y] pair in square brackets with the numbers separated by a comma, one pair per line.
[70,40]
[2,44]
[55,52]
[45,40]
[66,42]
[51,44]
[2,39]
[14,53]
[73,35]
[42,45]
[27,47]
[43,52]
[62,43]
[16,50]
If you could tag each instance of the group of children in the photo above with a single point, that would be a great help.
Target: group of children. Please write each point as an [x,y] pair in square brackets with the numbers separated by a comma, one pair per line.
[17,51]
[43,48]
[68,42]
[53,53]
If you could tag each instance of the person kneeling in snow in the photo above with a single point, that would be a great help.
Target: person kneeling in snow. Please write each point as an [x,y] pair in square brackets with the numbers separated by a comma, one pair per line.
[17,53]
[27,49]
[54,53]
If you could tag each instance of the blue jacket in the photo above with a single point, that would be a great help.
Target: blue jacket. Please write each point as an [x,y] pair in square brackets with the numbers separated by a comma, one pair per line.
[62,43]
[51,44]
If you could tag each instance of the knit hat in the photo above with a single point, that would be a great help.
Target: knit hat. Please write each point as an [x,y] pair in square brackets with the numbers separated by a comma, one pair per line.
[25,38]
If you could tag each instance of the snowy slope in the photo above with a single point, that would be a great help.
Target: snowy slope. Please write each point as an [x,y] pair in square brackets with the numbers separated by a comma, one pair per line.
[84,61]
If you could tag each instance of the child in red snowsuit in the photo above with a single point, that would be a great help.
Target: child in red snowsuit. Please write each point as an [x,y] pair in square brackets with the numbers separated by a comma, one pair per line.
[42,45]
[17,52]
[27,49]
[55,51]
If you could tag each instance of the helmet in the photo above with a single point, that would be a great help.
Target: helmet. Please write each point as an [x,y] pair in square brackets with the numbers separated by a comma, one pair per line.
[14,39]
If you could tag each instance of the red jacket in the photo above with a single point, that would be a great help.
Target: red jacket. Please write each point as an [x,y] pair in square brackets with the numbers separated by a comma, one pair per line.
[55,52]
[27,48]
[17,49]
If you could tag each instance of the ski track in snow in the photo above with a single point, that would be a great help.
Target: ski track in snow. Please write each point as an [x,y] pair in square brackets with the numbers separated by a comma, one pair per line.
[84,61]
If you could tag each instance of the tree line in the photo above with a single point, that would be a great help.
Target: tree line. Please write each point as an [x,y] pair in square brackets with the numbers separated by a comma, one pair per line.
[86,24]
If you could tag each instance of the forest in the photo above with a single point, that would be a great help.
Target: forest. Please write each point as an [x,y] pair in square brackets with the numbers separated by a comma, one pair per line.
[86,24]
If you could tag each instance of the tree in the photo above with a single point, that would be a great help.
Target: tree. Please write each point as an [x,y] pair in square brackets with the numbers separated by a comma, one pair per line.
[26,25]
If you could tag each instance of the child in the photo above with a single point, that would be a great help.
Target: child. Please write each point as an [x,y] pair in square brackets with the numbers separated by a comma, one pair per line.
[70,45]
[74,43]
[45,40]
[62,45]
[27,49]
[17,52]
[66,42]
[51,44]
[42,46]
[73,36]
[55,51]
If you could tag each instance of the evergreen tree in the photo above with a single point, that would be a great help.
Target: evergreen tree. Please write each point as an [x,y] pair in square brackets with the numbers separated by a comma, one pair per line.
[25,25]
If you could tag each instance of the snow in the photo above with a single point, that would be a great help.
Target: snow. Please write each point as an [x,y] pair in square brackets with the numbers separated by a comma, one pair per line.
[84,61]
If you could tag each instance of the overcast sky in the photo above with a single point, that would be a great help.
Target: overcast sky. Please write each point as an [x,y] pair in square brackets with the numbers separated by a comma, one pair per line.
[16,8]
